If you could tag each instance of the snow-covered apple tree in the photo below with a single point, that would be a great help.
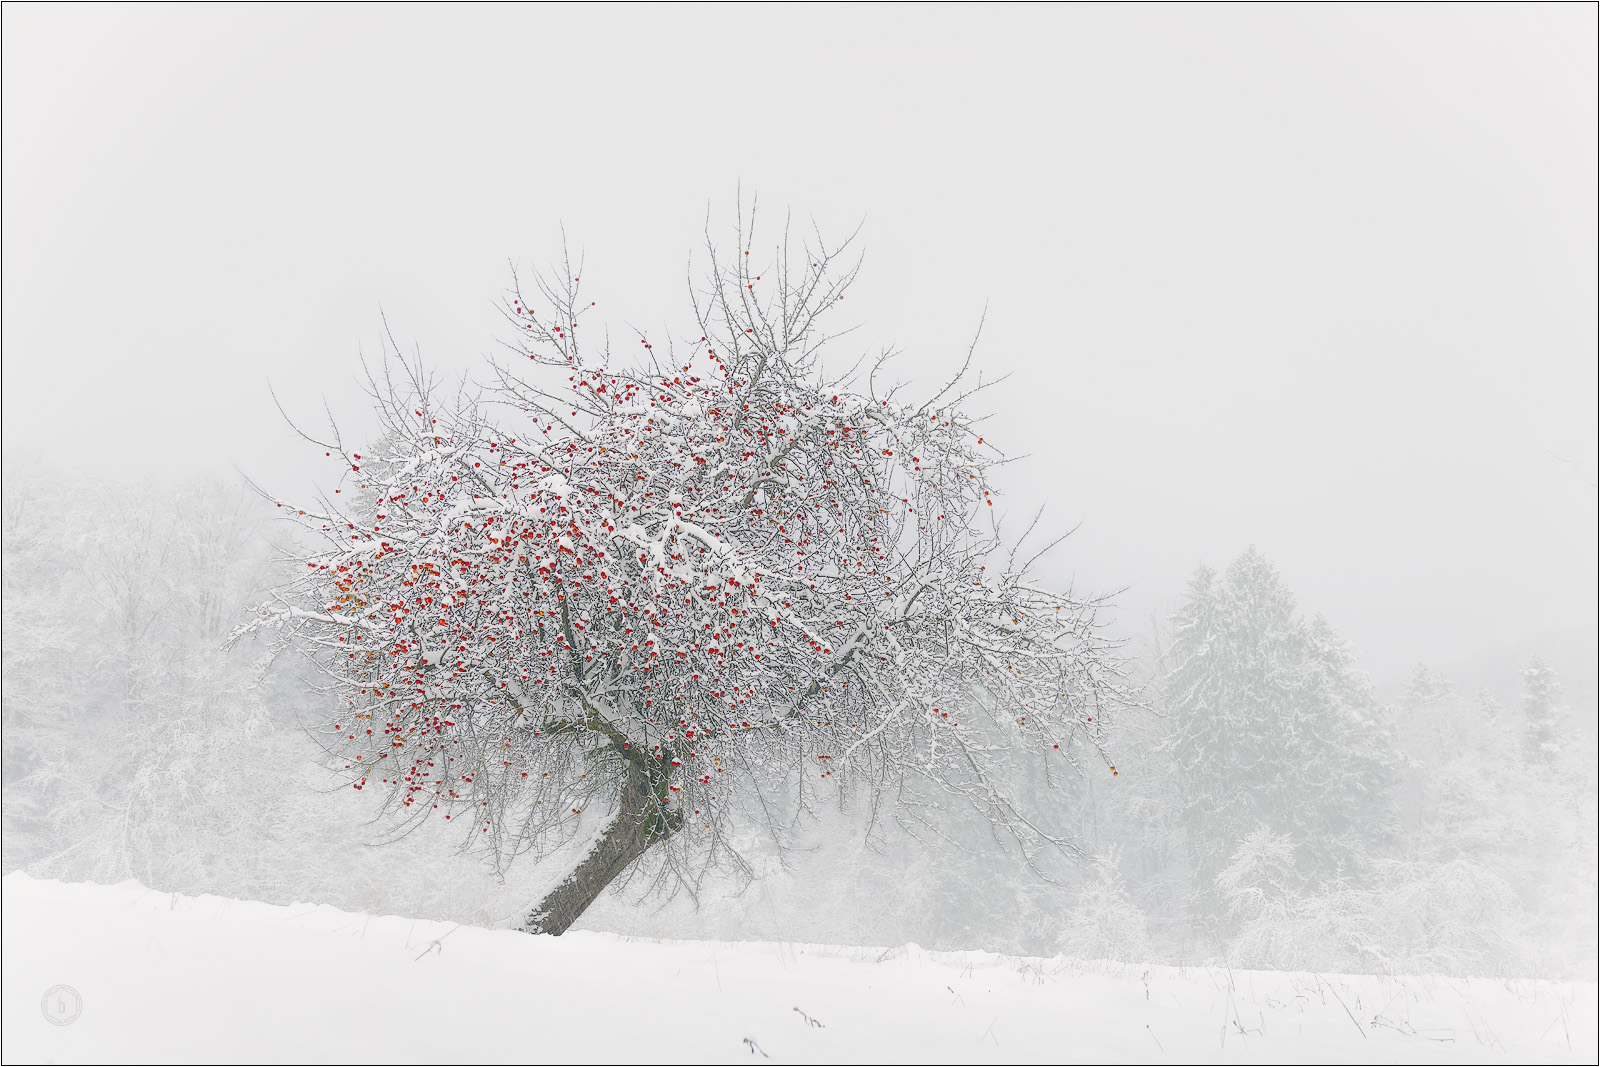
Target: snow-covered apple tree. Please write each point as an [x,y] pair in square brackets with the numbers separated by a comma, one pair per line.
[647,585]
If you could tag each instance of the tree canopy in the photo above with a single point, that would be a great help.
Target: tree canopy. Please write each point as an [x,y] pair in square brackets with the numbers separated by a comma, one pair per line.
[655,583]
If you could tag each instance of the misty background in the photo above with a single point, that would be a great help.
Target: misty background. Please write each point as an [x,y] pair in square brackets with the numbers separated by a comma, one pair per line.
[1317,281]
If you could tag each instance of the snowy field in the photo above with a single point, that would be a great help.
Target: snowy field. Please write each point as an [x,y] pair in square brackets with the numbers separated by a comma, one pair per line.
[160,977]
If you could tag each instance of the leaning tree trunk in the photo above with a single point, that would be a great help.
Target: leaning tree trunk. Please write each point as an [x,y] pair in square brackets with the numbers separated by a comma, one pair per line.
[640,822]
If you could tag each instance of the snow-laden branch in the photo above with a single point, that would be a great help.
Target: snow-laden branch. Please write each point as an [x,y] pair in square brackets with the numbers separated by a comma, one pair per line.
[697,566]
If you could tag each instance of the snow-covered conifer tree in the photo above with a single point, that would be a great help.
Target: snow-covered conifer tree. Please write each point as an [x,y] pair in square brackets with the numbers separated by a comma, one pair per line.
[659,586]
[1272,726]
[1541,696]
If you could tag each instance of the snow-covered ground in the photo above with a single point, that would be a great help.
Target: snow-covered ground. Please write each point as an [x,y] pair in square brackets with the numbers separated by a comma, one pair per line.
[158,977]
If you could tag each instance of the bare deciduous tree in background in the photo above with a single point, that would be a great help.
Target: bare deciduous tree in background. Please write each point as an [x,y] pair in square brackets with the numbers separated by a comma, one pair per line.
[660,586]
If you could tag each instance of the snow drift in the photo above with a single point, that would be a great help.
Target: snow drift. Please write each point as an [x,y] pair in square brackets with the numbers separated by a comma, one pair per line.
[160,977]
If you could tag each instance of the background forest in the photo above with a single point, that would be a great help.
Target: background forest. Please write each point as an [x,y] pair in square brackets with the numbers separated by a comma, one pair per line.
[1272,808]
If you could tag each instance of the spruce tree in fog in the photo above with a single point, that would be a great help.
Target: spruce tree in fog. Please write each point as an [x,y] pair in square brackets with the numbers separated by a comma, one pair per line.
[1541,693]
[1273,727]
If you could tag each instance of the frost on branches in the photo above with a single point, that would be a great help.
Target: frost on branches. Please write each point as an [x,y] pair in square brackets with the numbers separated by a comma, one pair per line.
[652,585]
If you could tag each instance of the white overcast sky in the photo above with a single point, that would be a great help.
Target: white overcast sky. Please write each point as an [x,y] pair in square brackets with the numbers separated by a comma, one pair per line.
[1318,279]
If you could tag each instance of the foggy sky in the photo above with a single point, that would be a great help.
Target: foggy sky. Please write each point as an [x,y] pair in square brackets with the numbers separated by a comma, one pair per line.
[1321,280]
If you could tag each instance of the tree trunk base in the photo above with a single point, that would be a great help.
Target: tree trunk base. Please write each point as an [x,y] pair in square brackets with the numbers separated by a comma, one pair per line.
[640,823]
